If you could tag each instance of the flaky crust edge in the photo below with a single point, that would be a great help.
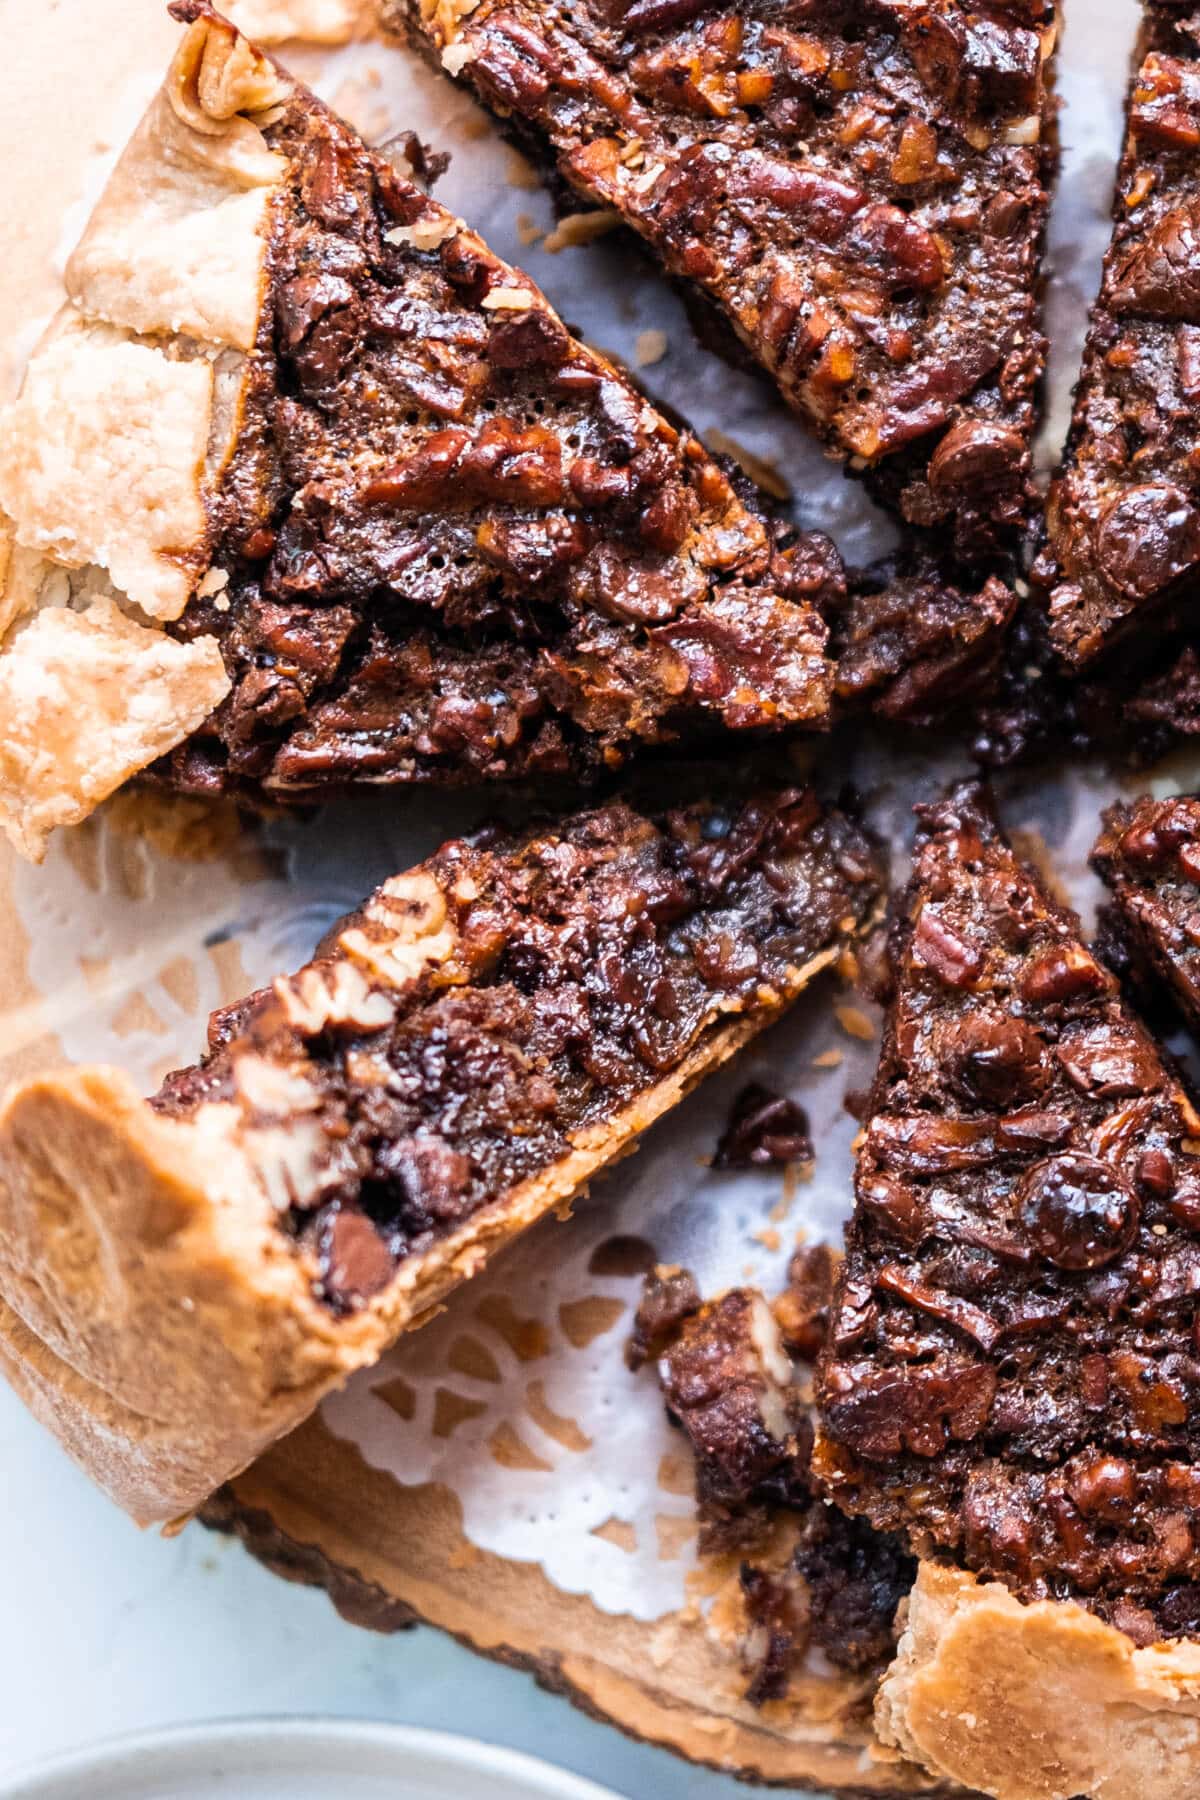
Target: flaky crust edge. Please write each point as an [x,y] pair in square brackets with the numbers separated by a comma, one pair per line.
[111,453]
[157,1318]
[1040,1701]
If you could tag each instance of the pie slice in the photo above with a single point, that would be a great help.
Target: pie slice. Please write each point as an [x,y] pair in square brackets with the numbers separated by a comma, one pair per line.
[1011,1374]
[1011,1377]
[306,487]
[808,1579]
[1124,514]
[857,188]
[1149,855]
[183,1278]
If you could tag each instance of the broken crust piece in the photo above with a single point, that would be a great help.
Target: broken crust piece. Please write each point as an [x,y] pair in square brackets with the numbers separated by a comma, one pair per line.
[300,416]
[192,1273]
[1040,1701]
[1010,1375]
[860,189]
[1123,515]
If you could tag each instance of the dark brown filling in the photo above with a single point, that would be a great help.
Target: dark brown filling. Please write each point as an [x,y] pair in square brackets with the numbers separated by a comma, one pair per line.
[1124,517]
[1149,854]
[596,956]
[457,545]
[1132,709]
[840,1582]
[1013,1368]
[858,186]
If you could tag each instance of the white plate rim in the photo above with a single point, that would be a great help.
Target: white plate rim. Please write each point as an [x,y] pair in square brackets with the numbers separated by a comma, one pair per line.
[174,1750]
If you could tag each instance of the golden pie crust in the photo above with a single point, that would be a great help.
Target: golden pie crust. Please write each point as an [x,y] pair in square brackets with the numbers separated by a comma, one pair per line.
[112,450]
[1043,1701]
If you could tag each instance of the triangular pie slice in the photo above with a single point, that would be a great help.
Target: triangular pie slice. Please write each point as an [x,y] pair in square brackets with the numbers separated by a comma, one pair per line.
[1124,513]
[1011,1375]
[307,487]
[1149,856]
[183,1278]
[858,186]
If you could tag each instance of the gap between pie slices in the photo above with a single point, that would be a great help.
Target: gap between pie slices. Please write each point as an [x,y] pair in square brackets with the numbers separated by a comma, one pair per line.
[1010,1374]
[182,1279]
[1123,523]
[858,189]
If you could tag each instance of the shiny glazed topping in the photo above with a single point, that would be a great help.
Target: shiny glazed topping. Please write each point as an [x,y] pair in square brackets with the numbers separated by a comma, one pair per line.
[455,544]
[1013,1371]
[566,972]
[858,187]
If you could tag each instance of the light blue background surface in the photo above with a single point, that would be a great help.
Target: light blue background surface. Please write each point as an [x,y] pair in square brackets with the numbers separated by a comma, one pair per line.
[108,1629]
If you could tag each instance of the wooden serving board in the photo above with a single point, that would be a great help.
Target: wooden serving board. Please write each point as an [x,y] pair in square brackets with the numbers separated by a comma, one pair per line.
[391,1556]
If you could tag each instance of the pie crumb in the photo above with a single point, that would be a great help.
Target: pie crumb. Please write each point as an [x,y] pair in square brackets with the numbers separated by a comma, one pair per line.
[650,348]
[581,228]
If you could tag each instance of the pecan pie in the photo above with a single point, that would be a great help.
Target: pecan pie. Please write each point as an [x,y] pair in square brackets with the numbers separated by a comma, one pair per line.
[810,1578]
[183,1278]
[856,188]
[1149,855]
[307,487]
[1124,516]
[1011,1372]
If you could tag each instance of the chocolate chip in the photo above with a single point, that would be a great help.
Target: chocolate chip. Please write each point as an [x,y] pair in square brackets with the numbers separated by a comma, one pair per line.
[355,1259]
[1147,538]
[977,455]
[1078,1212]
[765,1129]
[1061,974]
[998,1059]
